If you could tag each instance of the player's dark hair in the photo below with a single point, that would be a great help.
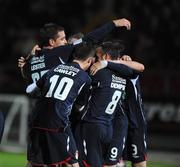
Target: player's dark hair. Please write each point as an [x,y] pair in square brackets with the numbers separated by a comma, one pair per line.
[83,51]
[49,31]
[113,48]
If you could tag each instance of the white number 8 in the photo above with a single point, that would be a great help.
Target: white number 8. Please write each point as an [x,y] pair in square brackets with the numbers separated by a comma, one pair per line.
[112,105]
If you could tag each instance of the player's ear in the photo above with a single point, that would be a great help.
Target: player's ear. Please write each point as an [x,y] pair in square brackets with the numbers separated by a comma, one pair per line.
[104,56]
[51,42]
[89,60]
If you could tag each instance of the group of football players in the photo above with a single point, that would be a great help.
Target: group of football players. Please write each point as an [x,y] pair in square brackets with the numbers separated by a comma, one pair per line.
[88,109]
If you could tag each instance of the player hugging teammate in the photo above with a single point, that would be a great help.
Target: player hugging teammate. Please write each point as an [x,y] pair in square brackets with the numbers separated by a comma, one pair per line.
[104,94]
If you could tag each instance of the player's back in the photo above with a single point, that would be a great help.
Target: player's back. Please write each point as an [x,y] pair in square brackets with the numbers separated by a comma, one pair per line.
[60,87]
[107,91]
[38,65]
[45,60]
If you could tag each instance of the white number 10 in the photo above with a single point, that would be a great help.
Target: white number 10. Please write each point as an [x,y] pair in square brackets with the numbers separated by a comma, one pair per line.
[62,89]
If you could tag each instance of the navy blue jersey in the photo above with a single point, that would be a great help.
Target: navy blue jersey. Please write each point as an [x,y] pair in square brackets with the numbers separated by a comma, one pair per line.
[49,58]
[97,35]
[122,70]
[107,91]
[134,104]
[59,89]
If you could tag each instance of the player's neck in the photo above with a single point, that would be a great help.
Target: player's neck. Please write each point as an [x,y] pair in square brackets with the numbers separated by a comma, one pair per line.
[80,64]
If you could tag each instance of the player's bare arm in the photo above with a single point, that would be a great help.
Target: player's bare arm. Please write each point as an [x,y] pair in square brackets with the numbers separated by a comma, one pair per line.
[126,60]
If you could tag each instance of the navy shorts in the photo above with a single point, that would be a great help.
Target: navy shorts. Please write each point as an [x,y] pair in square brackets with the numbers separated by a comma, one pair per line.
[120,127]
[136,147]
[95,140]
[47,147]
[1,125]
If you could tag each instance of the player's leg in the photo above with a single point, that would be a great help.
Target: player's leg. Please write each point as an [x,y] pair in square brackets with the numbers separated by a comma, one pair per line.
[115,152]
[41,166]
[79,141]
[75,165]
[109,166]
[28,164]
[140,164]
[121,163]
[48,151]
[92,144]
[117,144]
[71,165]
[136,150]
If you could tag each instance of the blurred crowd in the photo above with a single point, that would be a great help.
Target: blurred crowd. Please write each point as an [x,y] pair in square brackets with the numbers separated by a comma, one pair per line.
[154,39]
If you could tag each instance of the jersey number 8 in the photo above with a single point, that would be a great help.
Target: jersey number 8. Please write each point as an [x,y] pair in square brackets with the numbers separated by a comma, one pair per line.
[112,105]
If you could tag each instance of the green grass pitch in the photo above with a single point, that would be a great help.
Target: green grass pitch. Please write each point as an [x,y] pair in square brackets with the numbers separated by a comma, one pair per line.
[19,160]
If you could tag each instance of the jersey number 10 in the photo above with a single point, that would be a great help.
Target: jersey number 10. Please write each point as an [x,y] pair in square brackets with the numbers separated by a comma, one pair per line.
[62,89]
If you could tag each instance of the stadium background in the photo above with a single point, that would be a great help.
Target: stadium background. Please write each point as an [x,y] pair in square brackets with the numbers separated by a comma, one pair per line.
[153,40]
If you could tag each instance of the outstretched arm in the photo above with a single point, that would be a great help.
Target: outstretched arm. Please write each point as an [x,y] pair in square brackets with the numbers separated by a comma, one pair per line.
[131,64]
[122,69]
[125,66]
[101,32]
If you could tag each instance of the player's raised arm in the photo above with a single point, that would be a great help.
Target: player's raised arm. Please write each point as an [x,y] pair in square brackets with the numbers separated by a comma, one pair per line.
[101,32]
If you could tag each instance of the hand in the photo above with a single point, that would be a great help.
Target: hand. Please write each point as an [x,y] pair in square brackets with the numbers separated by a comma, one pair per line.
[34,49]
[97,66]
[123,23]
[21,62]
[126,58]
